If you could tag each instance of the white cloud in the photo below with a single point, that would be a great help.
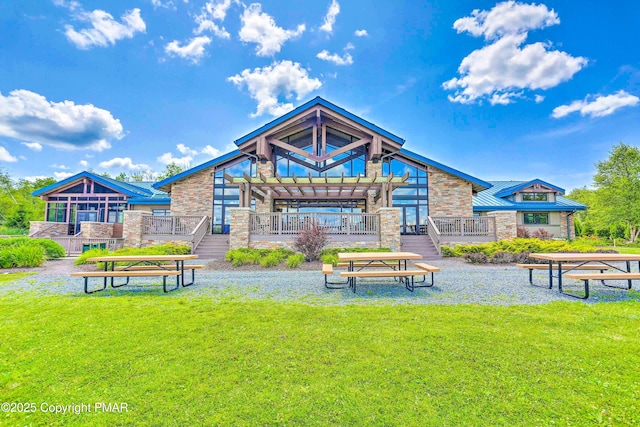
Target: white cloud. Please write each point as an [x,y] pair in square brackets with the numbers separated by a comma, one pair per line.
[345,59]
[539,99]
[210,12]
[183,149]
[104,29]
[260,28]
[597,105]
[505,66]
[210,151]
[32,145]
[167,4]
[168,158]
[22,157]
[509,17]
[29,116]
[5,156]
[280,80]
[72,5]
[62,175]
[57,166]
[123,163]
[34,178]
[83,163]
[193,51]
[330,17]
[361,33]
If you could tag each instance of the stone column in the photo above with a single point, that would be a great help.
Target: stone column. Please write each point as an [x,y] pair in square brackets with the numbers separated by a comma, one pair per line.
[132,228]
[389,228]
[266,169]
[239,227]
[373,169]
[569,233]
[96,230]
[506,224]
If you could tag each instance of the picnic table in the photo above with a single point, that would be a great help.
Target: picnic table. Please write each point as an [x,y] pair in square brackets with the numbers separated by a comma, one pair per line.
[556,261]
[394,264]
[141,266]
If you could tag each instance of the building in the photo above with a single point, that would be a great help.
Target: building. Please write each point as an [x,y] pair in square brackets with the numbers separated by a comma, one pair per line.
[316,164]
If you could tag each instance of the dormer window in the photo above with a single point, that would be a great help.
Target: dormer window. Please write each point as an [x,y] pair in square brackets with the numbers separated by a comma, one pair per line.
[535,197]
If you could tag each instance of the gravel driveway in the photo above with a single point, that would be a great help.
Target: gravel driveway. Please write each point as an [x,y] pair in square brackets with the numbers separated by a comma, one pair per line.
[457,283]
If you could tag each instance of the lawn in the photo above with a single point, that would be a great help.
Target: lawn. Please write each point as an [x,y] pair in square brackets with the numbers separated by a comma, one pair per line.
[624,249]
[191,361]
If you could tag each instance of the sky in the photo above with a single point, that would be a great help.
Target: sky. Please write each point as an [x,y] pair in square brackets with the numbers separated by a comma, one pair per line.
[498,90]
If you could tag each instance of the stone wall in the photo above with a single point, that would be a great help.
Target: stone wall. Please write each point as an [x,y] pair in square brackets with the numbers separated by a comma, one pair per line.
[563,225]
[448,194]
[54,229]
[132,228]
[266,170]
[193,195]
[239,227]
[96,230]
[506,224]
[390,228]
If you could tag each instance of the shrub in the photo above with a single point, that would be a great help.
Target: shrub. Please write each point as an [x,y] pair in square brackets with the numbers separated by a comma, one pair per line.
[294,261]
[501,258]
[270,260]
[240,259]
[542,234]
[310,242]
[21,256]
[448,252]
[329,259]
[52,249]
[477,258]
[522,232]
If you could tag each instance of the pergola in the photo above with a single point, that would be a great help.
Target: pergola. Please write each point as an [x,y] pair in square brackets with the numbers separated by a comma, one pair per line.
[308,187]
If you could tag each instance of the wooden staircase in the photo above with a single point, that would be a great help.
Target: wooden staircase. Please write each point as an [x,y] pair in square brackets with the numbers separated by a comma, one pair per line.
[419,244]
[213,246]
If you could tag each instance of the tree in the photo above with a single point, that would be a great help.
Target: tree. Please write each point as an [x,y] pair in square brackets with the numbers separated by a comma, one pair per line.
[170,170]
[617,185]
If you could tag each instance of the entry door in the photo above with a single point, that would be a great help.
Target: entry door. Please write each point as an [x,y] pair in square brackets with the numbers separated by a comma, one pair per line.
[409,219]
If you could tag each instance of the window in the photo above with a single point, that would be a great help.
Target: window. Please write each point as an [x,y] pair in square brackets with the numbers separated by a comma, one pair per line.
[161,212]
[536,218]
[535,197]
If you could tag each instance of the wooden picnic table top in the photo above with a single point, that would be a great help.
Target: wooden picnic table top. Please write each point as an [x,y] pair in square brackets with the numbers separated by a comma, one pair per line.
[141,258]
[377,256]
[592,256]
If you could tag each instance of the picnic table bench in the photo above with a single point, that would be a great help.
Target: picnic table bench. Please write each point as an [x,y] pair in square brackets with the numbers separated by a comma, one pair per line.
[568,267]
[585,277]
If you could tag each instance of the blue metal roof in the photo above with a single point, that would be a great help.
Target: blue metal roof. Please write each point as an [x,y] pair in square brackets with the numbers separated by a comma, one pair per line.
[319,101]
[149,201]
[488,200]
[477,184]
[213,162]
[128,188]
[514,188]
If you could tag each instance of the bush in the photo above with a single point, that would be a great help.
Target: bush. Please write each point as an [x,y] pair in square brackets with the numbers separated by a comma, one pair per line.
[522,232]
[329,259]
[52,249]
[502,258]
[240,259]
[310,242]
[294,261]
[270,260]
[21,256]
[447,252]
[477,258]
[542,234]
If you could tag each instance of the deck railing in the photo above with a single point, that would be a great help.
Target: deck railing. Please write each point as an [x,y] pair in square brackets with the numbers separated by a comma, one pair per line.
[170,225]
[74,245]
[466,226]
[333,223]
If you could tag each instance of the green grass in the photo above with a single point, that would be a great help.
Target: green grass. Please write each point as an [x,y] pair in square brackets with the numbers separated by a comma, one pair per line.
[191,361]
[624,249]
[8,277]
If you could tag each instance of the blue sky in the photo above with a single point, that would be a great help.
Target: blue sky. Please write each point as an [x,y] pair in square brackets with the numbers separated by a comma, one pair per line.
[507,90]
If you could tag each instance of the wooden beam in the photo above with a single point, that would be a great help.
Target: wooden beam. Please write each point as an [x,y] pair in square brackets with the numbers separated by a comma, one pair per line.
[228,178]
[314,139]
[405,177]
[346,148]
[257,195]
[390,177]
[293,149]
[324,140]
[246,177]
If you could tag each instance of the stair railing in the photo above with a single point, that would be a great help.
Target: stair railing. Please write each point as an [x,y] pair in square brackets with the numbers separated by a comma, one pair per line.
[434,234]
[202,229]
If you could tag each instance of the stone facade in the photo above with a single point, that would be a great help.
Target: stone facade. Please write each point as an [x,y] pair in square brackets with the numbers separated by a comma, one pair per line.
[563,225]
[96,230]
[266,170]
[53,229]
[449,195]
[390,228]
[506,224]
[239,227]
[132,228]
[193,195]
